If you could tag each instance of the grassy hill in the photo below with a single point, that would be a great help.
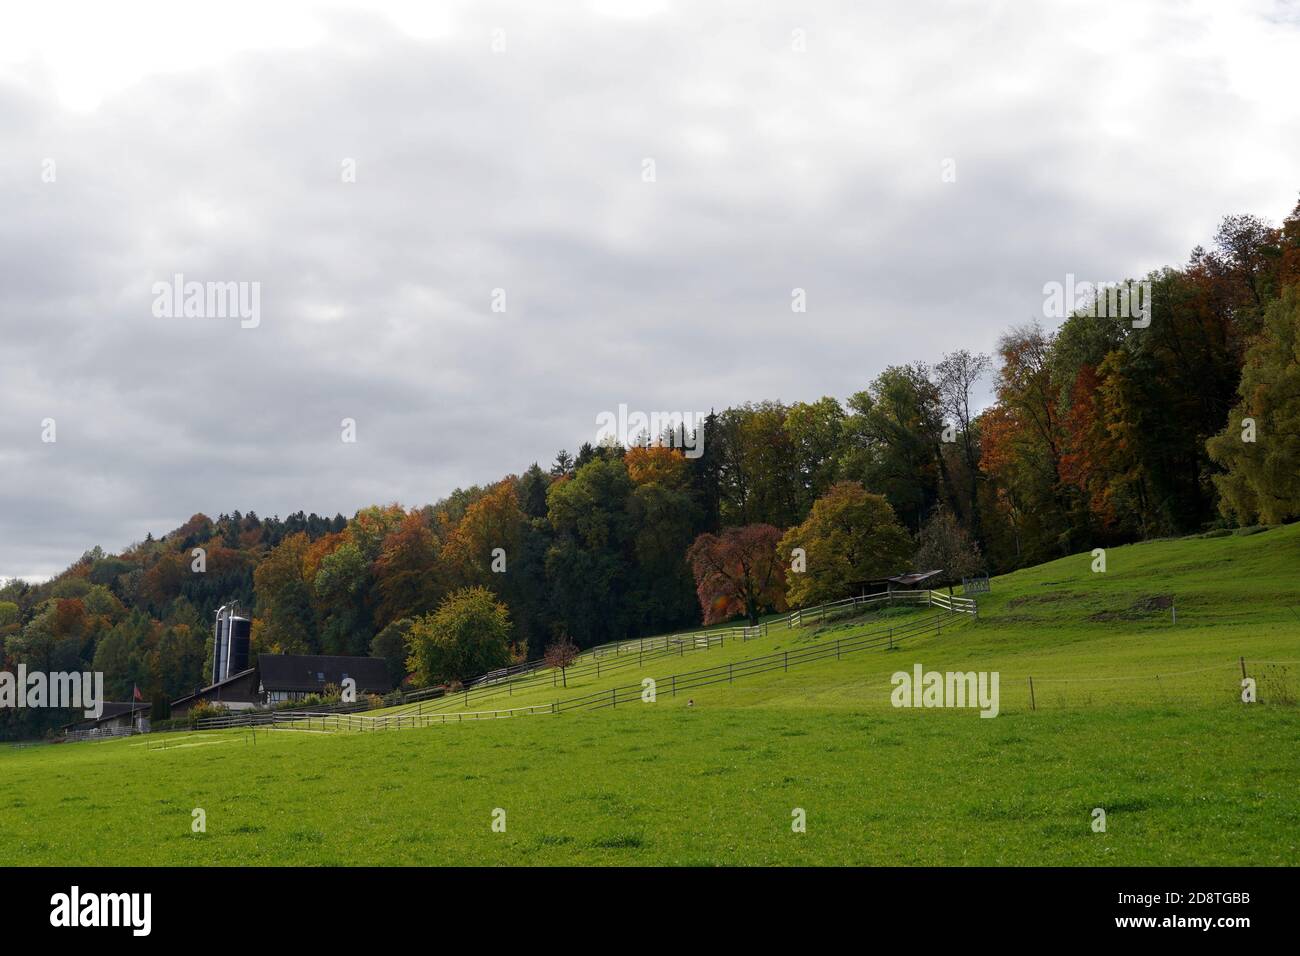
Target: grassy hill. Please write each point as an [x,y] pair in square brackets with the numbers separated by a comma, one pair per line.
[1131,712]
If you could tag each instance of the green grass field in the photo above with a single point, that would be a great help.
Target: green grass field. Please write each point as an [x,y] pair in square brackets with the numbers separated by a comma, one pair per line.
[1131,712]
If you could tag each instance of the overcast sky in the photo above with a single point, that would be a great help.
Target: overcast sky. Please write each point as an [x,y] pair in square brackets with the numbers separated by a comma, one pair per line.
[504,146]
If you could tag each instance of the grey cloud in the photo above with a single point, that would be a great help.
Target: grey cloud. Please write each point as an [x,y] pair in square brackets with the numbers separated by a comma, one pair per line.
[522,170]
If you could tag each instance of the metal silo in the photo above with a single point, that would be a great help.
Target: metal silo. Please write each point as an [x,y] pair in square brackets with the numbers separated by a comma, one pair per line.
[220,643]
[238,644]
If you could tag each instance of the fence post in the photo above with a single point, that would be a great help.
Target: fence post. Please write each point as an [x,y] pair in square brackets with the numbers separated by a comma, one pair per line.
[729,678]
[674,685]
[1032,704]
[837,650]
[613,697]
[1243,668]
[891,638]
[787,660]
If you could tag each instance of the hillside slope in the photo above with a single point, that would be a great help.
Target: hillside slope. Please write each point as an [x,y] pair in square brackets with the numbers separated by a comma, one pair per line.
[1132,713]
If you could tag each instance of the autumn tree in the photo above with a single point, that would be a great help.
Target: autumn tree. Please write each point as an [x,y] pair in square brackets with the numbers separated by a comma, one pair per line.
[488,534]
[163,582]
[284,600]
[850,536]
[496,544]
[407,572]
[1083,461]
[1027,439]
[738,571]
[369,528]
[657,464]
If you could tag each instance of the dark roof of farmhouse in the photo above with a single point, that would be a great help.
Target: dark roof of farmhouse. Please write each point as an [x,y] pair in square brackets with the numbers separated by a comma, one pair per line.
[310,672]
[116,708]
[221,683]
[227,680]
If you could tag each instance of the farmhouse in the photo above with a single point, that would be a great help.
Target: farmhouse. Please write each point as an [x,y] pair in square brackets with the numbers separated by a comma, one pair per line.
[278,678]
[286,677]
[119,717]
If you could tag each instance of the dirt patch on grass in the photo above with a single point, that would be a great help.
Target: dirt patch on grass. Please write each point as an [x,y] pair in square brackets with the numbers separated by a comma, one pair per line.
[1044,598]
[1143,607]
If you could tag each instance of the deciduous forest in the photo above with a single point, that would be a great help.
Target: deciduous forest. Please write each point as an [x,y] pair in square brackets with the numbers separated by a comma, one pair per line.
[1098,433]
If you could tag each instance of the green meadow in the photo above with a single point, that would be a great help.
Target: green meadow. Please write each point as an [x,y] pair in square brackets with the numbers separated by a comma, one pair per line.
[1131,711]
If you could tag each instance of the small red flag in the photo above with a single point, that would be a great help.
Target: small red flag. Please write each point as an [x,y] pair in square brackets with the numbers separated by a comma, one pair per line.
[136,695]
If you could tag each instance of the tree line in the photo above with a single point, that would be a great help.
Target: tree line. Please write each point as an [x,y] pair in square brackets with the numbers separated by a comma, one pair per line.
[1099,433]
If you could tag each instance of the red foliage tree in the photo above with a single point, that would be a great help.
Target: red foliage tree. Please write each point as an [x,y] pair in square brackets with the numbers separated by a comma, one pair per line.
[738,571]
[560,654]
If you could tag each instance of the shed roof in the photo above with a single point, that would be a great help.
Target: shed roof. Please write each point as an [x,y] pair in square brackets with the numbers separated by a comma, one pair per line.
[915,577]
[112,709]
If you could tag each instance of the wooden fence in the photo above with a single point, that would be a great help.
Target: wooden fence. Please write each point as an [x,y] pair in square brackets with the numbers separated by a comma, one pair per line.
[885,637]
[609,658]
[100,733]
[431,704]
[833,609]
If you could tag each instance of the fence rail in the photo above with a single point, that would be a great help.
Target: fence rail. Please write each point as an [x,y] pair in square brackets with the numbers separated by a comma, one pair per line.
[100,733]
[436,704]
[782,660]
[313,721]
[952,602]
[634,653]
[608,658]
[887,637]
